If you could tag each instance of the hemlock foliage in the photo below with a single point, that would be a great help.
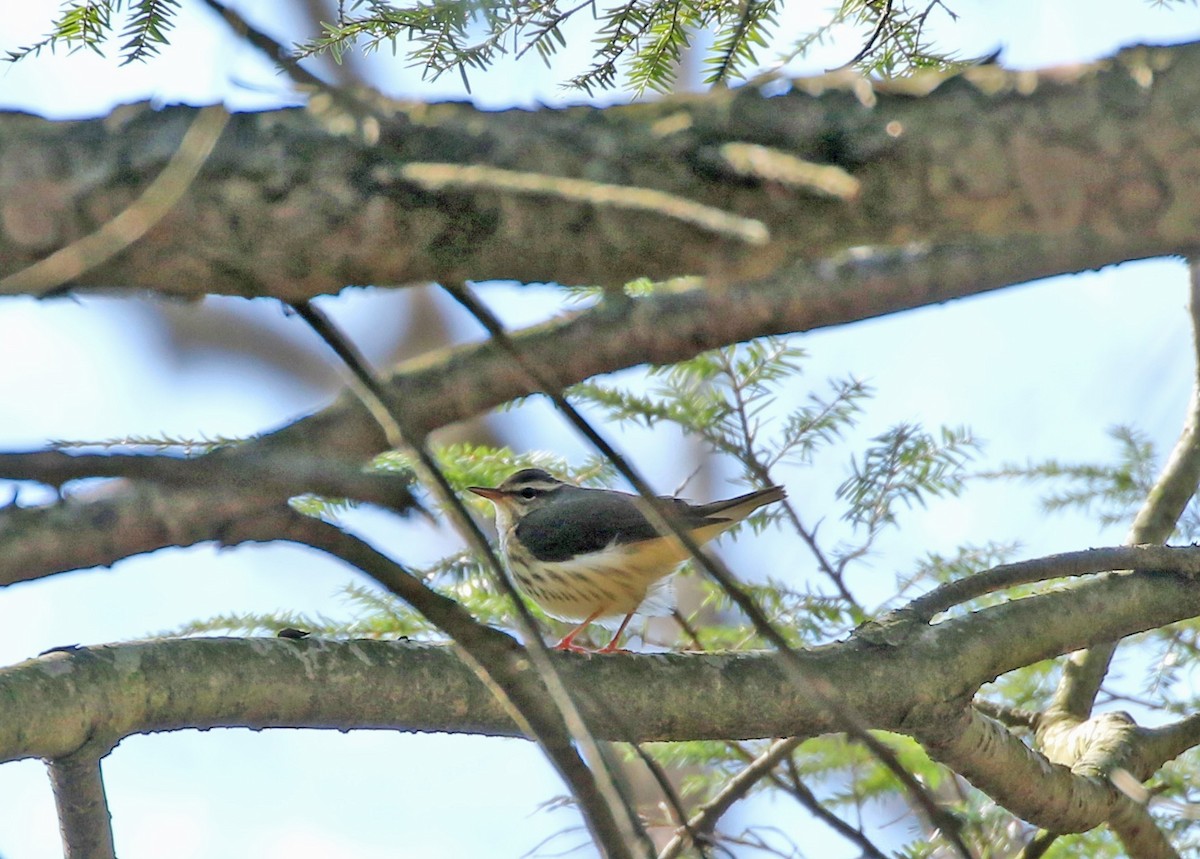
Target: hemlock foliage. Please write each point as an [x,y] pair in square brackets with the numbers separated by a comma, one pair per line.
[638,44]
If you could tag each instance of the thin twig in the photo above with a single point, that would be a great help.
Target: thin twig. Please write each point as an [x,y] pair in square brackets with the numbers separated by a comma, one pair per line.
[884,17]
[277,53]
[762,471]
[1155,522]
[758,768]
[674,803]
[704,821]
[481,177]
[289,62]
[666,519]
[611,819]
[808,799]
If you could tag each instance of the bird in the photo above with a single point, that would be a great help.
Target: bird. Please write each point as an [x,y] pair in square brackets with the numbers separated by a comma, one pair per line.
[584,554]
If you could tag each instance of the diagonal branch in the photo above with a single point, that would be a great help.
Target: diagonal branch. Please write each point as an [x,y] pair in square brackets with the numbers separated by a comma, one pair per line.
[1155,522]
[1019,778]
[667,520]
[704,821]
[66,265]
[609,816]
[455,384]
[277,53]
[1140,835]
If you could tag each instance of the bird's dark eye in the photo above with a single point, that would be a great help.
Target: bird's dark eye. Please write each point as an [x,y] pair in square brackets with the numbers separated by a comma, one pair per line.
[529,493]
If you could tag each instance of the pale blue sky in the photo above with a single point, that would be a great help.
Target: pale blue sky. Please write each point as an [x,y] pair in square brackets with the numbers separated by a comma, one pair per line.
[1039,371]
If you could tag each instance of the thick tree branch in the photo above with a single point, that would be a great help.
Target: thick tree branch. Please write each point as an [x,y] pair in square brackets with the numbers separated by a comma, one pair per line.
[1139,834]
[1117,173]
[1170,741]
[1016,776]
[83,815]
[458,383]
[116,234]
[97,695]
[101,526]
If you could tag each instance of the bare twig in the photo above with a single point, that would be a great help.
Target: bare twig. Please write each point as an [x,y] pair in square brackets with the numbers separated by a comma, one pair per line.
[1155,522]
[761,470]
[278,54]
[636,198]
[704,821]
[808,799]
[673,802]
[664,518]
[885,16]
[610,818]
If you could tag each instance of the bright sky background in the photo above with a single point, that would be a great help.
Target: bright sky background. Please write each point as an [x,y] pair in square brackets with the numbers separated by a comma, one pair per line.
[1038,372]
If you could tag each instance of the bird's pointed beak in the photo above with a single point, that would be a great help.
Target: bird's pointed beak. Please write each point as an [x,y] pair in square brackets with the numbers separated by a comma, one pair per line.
[487,492]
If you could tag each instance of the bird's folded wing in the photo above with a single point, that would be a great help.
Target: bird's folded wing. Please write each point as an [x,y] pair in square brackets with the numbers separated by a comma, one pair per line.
[589,523]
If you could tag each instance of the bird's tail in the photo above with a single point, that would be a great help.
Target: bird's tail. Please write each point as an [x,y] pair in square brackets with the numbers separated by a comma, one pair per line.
[737,509]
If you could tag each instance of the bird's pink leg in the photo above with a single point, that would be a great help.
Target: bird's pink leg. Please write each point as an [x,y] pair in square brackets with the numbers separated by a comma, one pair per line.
[611,647]
[568,640]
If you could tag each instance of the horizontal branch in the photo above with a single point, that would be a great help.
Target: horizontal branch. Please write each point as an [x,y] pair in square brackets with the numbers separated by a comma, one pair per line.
[256,474]
[1081,563]
[173,684]
[115,690]
[290,206]
[97,528]
[458,383]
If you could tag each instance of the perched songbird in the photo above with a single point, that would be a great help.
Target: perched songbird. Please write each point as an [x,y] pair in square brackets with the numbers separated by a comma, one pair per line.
[583,554]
